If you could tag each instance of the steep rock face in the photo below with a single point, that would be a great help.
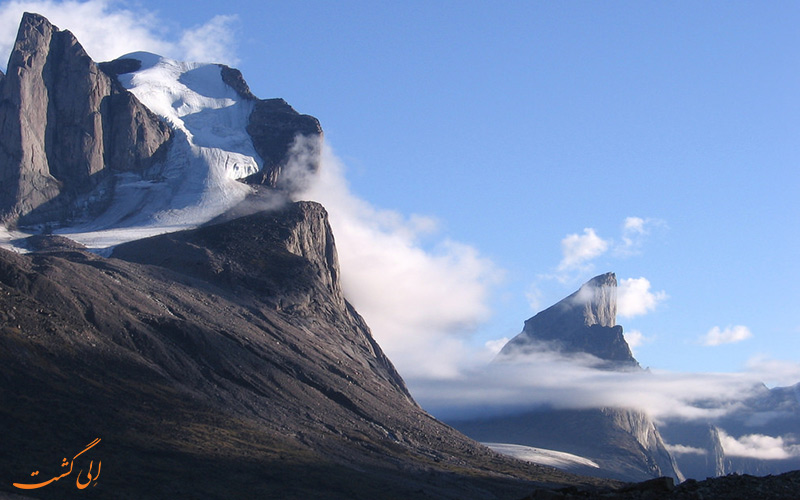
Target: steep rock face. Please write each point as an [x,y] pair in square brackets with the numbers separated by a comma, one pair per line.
[225,351]
[283,137]
[584,322]
[700,454]
[63,124]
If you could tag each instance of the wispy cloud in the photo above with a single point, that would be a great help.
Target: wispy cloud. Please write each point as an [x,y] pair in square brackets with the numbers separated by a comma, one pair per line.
[108,29]
[579,250]
[634,232]
[679,449]
[635,338]
[213,41]
[730,335]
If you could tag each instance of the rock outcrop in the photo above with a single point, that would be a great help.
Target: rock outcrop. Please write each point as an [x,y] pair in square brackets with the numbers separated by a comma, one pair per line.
[69,130]
[284,138]
[584,322]
[64,125]
[281,136]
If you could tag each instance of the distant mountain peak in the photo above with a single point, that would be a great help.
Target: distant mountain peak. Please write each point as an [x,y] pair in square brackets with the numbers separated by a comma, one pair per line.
[584,322]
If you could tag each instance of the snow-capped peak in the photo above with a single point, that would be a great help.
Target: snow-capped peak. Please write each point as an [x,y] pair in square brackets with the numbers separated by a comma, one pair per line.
[210,151]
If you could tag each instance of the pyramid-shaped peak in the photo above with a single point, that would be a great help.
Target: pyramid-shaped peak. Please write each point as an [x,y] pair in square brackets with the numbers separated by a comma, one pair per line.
[584,322]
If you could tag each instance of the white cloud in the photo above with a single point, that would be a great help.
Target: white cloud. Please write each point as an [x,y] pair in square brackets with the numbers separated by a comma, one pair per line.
[421,303]
[107,30]
[578,249]
[534,296]
[759,446]
[496,345]
[730,335]
[633,225]
[774,372]
[634,297]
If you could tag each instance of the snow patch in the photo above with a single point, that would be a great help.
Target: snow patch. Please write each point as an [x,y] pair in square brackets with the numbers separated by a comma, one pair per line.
[552,458]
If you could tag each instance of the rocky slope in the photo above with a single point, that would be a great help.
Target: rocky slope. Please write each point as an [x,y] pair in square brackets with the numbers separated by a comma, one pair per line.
[221,362]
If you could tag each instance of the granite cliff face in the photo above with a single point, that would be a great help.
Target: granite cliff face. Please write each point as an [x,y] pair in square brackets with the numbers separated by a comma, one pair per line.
[71,134]
[584,322]
[275,127]
[64,124]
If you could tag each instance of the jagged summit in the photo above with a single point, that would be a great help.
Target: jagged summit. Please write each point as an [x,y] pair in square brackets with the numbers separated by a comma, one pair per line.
[65,127]
[584,322]
[139,142]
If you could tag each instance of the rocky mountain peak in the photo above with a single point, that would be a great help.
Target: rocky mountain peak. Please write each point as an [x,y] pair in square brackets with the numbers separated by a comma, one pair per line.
[80,143]
[597,299]
[64,125]
[584,322]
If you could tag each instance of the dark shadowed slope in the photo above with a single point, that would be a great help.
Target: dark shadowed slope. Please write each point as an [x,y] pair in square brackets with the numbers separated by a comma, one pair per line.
[225,363]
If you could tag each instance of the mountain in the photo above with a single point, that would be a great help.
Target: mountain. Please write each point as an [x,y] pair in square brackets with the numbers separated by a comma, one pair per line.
[219,361]
[584,322]
[139,142]
[218,357]
[623,442]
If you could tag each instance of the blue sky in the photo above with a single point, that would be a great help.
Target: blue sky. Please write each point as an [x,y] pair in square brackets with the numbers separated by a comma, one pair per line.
[538,144]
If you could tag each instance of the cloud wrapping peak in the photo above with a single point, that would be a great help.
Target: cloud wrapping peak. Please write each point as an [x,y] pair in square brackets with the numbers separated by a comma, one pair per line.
[555,380]
[420,303]
[107,30]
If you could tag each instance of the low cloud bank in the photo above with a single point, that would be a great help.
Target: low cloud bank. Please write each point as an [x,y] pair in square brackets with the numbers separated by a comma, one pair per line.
[759,446]
[553,380]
